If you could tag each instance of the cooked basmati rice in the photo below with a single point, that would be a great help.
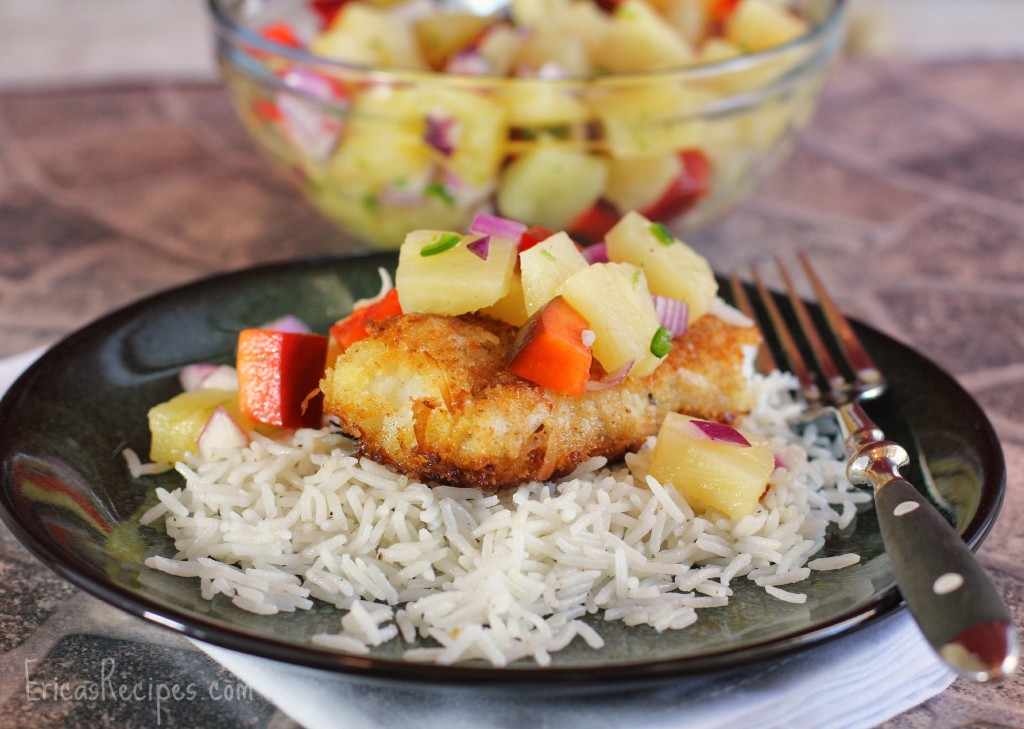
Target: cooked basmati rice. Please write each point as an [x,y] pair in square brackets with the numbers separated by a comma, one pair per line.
[499,578]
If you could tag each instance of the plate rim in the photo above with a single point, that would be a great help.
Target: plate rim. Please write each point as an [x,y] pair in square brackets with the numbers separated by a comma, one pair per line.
[881,607]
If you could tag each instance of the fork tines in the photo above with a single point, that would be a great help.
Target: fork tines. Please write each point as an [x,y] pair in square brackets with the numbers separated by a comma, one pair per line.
[765,362]
[866,380]
[856,356]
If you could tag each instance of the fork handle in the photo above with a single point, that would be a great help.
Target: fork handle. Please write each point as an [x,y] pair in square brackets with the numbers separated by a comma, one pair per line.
[956,605]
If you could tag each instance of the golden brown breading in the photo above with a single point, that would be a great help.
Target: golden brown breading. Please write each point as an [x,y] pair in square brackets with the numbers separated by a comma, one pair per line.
[431,395]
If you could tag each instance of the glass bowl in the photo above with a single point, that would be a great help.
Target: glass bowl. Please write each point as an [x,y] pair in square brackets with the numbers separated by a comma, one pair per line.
[382,151]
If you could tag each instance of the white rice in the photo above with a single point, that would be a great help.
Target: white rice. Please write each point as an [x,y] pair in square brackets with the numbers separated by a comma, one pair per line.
[277,525]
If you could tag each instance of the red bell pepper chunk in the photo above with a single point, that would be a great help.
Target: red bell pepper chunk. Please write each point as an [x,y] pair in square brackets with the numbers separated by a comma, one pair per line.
[532,236]
[549,350]
[282,33]
[692,184]
[352,328]
[327,10]
[591,225]
[720,10]
[698,166]
[277,373]
[266,110]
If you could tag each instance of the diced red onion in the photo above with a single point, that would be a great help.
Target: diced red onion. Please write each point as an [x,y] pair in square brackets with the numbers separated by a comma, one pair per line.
[191,376]
[552,71]
[306,123]
[720,432]
[481,247]
[220,433]
[288,324]
[469,197]
[208,377]
[499,227]
[440,133]
[410,192]
[469,63]
[311,131]
[672,313]
[310,83]
[597,253]
[452,180]
[611,379]
[400,197]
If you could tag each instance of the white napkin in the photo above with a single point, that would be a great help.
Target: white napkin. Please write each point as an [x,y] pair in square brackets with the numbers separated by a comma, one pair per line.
[856,681]
[859,680]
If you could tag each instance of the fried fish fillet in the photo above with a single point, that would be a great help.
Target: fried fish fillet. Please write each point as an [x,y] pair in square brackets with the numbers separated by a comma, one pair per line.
[431,395]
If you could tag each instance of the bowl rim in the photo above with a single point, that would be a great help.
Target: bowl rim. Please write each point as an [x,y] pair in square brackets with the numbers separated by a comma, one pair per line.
[228,28]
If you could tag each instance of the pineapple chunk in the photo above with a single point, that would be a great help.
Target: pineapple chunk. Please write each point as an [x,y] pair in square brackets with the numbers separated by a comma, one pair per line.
[715,49]
[756,25]
[480,131]
[535,13]
[660,117]
[442,34]
[614,298]
[672,268]
[511,308]
[550,186]
[592,24]
[541,104]
[641,40]
[550,44]
[364,216]
[638,182]
[438,274]
[383,143]
[545,266]
[722,475]
[688,17]
[175,425]
[740,79]
[361,34]
[498,48]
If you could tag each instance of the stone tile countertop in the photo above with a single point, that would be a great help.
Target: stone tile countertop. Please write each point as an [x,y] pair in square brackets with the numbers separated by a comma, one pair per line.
[109,193]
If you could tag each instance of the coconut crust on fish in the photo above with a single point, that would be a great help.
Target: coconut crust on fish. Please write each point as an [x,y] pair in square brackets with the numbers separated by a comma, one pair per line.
[431,395]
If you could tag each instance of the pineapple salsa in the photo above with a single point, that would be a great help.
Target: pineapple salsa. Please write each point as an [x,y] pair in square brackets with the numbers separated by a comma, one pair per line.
[587,320]
[385,158]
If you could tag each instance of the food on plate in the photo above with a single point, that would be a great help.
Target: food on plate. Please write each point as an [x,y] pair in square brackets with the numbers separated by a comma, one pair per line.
[479,487]
[550,349]
[713,464]
[447,273]
[432,396]
[434,151]
[675,271]
[279,377]
[176,425]
[473,401]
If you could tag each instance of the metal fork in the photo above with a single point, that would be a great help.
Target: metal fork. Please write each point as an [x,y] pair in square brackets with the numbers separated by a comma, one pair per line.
[953,600]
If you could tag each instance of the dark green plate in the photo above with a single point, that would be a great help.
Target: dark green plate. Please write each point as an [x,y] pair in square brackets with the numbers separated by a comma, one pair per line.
[66,493]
